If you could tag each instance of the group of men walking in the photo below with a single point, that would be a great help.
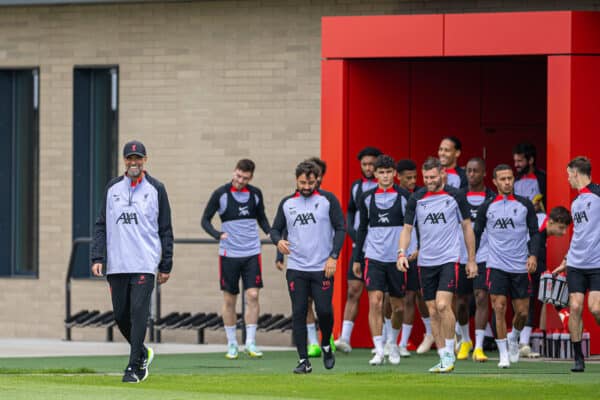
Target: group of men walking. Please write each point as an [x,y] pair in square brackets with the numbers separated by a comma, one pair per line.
[430,248]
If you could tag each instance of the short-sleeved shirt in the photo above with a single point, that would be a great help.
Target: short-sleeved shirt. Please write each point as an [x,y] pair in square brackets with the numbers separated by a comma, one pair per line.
[584,251]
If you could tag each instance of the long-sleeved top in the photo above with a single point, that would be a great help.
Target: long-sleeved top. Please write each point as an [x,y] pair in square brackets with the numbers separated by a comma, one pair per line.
[475,200]
[438,216]
[381,222]
[512,229]
[457,178]
[531,184]
[133,232]
[357,189]
[240,211]
[584,251]
[315,227]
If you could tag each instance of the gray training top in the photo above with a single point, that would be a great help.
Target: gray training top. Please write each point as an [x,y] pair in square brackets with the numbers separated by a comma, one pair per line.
[584,251]
[315,227]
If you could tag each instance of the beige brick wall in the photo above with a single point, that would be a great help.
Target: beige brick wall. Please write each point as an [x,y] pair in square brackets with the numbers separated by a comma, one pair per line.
[202,84]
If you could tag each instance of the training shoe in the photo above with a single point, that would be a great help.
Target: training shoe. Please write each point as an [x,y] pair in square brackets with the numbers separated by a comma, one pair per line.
[328,358]
[130,376]
[232,352]
[524,350]
[303,367]
[447,362]
[343,346]
[142,371]
[463,350]
[332,343]
[378,359]
[479,355]
[149,357]
[314,351]
[253,351]
[578,365]
[504,361]
[436,368]
[403,351]
[394,357]
[426,344]
[513,351]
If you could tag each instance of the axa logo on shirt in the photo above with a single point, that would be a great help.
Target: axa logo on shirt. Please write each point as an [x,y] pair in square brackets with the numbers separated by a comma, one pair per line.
[504,223]
[243,211]
[127,218]
[383,218]
[305,219]
[580,216]
[435,218]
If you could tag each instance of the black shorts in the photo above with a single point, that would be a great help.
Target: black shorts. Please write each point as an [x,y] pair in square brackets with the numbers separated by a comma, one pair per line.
[231,268]
[513,284]
[350,274]
[440,277]
[465,285]
[412,277]
[384,276]
[580,280]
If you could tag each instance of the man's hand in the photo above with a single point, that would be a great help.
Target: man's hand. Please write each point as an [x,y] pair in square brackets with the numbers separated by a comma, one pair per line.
[283,246]
[279,265]
[531,264]
[561,268]
[413,256]
[330,266]
[356,270]
[402,263]
[97,269]
[472,270]
[224,236]
[162,278]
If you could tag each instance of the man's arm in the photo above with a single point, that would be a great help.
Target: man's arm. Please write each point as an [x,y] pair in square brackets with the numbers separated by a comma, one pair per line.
[211,208]
[480,223]
[336,216]
[351,215]
[361,233]
[261,216]
[279,224]
[165,231]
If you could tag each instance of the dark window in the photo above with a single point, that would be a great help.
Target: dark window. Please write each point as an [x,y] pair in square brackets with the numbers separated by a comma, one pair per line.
[95,150]
[19,150]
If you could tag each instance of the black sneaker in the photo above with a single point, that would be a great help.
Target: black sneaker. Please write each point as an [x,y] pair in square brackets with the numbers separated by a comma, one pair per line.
[303,367]
[579,365]
[130,376]
[328,357]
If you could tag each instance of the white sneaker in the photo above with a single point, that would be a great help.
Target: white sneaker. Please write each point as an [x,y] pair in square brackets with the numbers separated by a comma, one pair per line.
[403,351]
[524,350]
[373,350]
[513,351]
[342,346]
[387,349]
[504,362]
[394,357]
[426,344]
[378,359]
[447,362]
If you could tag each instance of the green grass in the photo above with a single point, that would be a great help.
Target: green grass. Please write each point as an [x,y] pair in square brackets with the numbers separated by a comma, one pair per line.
[211,376]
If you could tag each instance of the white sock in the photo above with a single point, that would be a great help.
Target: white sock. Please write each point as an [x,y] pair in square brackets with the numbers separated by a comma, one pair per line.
[513,336]
[502,347]
[231,335]
[450,346]
[250,334]
[427,323]
[479,335]
[347,327]
[488,330]
[311,330]
[378,342]
[406,330]
[457,330]
[465,336]
[441,352]
[387,326]
[525,335]
[393,336]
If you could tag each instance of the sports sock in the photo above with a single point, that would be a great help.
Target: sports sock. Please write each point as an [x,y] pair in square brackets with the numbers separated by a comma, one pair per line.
[525,335]
[502,347]
[441,352]
[406,330]
[387,326]
[231,335]
[393,336]
[479,335]
[465,336]
[488,330]
[450,346]
[577,350]
[250,334]
[378,342]
[311,330]
[347,327]
[457,330]
[513,336]
[427,323]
